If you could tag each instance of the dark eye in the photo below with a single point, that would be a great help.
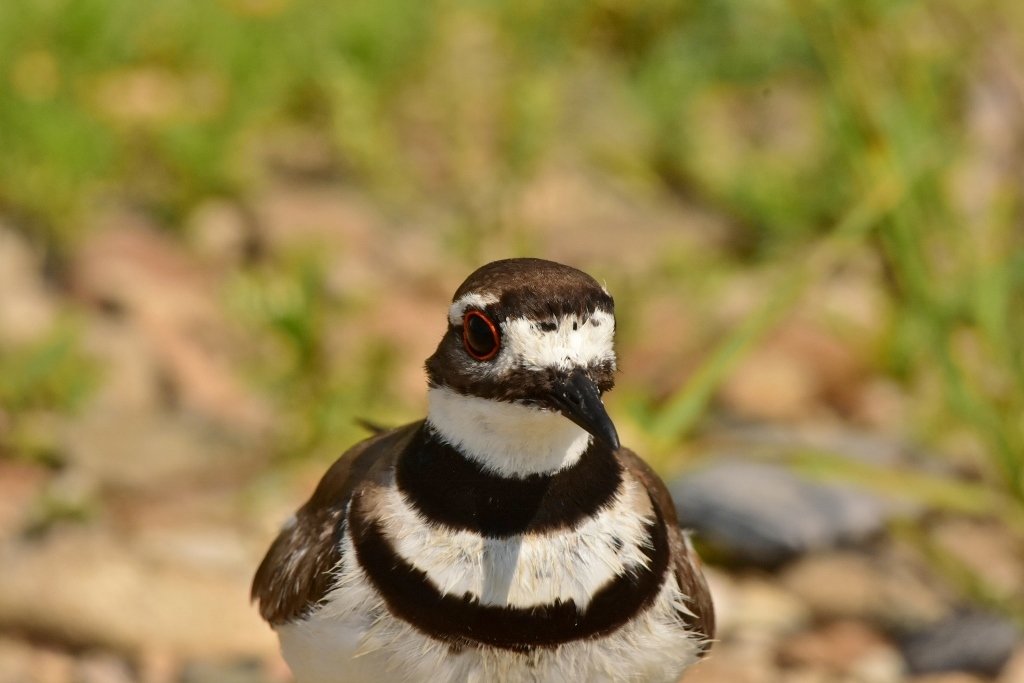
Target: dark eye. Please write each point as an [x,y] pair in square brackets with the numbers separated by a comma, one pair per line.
[480,336]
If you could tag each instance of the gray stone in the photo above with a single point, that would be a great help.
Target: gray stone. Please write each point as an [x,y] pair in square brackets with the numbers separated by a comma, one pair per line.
[973,642]
[765,514]
[240,671]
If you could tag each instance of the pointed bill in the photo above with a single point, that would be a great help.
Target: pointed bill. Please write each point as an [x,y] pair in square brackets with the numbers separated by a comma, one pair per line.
[577,398]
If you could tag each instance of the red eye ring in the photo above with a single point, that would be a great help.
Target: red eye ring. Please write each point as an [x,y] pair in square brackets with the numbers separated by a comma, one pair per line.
[482,341]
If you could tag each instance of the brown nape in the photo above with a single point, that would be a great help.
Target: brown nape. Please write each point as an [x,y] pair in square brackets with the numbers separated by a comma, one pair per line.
[523,272]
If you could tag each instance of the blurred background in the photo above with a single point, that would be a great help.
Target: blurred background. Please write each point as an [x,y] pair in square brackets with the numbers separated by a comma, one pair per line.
[229,229]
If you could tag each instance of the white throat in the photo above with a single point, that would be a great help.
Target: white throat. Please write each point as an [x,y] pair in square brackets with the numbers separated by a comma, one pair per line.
[508,439]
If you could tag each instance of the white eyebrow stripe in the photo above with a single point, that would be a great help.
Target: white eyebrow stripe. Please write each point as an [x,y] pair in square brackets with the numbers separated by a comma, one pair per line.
[471,300]
[529,346]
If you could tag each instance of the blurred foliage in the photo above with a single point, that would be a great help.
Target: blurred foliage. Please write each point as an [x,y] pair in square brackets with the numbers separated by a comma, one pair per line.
[51,374]
[805,122]
[286,307]
[46,377]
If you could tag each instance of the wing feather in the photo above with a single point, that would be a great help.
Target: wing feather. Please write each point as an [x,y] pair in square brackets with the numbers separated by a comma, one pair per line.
[685,561]
[298,570]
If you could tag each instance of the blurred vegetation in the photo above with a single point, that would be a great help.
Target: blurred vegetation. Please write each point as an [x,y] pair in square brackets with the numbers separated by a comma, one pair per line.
[38,381]
[323,398]
[818,128]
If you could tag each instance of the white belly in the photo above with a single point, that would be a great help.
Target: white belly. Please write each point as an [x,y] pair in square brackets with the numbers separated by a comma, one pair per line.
[353,639]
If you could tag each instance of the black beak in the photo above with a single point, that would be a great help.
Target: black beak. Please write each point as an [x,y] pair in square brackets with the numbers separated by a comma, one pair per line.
[577,397]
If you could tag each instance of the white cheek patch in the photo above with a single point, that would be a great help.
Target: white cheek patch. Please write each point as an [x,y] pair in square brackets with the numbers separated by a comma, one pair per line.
[471,300]
[575,342]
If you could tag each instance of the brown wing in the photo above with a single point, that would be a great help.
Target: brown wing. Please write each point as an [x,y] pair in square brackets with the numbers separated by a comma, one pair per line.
[296,572]
[685,561]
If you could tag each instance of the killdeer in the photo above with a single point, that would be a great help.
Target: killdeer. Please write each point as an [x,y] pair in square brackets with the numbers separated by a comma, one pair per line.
[506,537]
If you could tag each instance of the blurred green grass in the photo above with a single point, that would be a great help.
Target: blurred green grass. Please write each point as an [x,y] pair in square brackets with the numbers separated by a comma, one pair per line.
[810,125]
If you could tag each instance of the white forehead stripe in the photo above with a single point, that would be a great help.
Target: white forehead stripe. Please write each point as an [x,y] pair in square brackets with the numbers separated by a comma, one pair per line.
[471,300]
[575,341]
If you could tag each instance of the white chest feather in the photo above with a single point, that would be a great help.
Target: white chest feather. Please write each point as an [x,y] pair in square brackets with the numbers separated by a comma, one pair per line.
[529,569]
[354,639]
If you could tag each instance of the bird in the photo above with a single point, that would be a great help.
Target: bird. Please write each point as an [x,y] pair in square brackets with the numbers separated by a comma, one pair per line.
[508,536]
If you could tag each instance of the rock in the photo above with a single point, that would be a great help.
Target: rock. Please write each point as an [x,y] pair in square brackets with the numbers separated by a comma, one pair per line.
[748,605]
[771,385]
[28,309]
[742,657]
[722,668]
[295,151]
[580,217]
[406,377]
[798,369]
[970,642]
[141,450]
[881,665]
[844,647]
[94,589]
[139,96]
[778,442]
[243,671]
[850,444]
[22,662]
[158,664]
[851,301]
[883,404]
[18,663]
[336,222]
[949,678]
[20,484]
[656,362]
[1013,672]
[764,514]
[220,233]
[162,302]
[103,668]
[988,549]
[879,588]
[754,615]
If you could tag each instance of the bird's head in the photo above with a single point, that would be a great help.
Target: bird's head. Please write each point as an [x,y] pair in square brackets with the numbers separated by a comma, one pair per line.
[520,371]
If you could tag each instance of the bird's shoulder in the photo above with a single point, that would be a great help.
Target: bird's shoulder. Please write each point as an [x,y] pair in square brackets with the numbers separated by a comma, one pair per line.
[685,562]
[297,571]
